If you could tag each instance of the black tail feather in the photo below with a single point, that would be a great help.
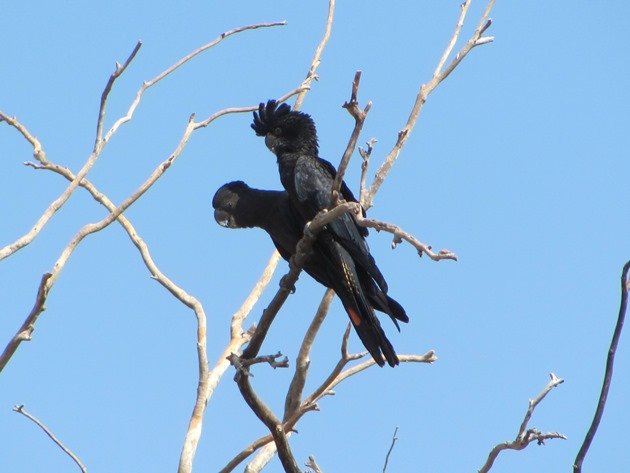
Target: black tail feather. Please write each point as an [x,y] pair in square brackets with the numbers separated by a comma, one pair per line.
[374,339]
[361,312]
[382,302]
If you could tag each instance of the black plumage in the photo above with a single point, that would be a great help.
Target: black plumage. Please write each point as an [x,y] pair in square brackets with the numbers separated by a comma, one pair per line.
[308,179]
[237,205]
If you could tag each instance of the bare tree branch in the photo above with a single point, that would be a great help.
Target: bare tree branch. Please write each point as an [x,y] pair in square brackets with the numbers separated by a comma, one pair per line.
[400,235]
[236,325]
[225,111]
[293,397]
[274,424]
[610,361]
[150,83]
[525,436]
[207,383]
[336,376]
[20,410]
[39,154]
[242,364]
[359,118]
[315,62]
[238,338]
[312,464]
[25,332]
[365,155]
[296,388]
[391,447]
[438,76]
[428,357]
[205,386]
[268,451]
[100,142]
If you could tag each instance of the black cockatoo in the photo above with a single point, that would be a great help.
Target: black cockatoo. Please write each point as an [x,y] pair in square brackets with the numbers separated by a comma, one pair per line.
[237,206]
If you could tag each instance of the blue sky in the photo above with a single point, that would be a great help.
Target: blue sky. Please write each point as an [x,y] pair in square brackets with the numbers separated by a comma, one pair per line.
[518,164]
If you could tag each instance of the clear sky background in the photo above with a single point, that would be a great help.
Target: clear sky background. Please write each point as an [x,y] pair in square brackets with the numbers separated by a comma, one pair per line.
[519,164]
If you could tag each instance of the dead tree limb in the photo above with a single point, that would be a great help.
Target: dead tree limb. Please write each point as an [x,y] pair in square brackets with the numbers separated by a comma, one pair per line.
[525,435]
[610,361]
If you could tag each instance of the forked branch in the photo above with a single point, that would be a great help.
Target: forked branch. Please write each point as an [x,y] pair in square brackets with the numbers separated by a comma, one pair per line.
[439,75]
[359,118]
[526,435]
[40,155]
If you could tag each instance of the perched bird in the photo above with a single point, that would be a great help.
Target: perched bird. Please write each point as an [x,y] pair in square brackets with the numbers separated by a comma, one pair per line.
[237,206]
[308,179]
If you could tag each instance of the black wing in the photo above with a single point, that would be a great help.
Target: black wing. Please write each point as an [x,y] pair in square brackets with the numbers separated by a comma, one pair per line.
[313,183]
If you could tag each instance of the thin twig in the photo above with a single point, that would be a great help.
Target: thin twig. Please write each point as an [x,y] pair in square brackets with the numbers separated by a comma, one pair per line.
[108,87]
[337,374]
[400,235]
[329,382]
[251,108]
[365,155]
[526,436]
[391,447]
[147,84]
[242,364]
[428,357]
[20,409]
[312,464]
[610,361]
